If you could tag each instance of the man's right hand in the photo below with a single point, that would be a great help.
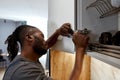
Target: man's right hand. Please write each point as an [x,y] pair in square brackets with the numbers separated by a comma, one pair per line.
[80,42]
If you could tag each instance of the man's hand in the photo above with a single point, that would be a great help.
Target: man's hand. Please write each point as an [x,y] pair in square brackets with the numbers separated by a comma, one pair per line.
[80,40]
[65,29]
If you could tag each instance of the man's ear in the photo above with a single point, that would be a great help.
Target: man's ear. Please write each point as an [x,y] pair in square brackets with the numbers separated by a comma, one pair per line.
[29,38]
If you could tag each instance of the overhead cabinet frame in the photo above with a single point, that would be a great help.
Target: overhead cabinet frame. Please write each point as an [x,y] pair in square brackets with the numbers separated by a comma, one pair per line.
[105,9]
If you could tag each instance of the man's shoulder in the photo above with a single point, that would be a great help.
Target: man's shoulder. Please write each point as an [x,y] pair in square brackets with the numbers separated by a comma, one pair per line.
[21,61]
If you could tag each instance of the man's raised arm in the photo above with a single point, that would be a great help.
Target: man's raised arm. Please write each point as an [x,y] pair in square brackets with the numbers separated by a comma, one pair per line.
[64,30]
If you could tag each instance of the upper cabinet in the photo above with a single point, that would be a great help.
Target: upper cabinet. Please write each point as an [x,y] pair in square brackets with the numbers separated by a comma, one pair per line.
[99,16]
[89,18]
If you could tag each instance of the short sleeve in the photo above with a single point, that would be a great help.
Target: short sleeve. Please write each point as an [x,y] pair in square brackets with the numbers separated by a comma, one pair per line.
[30,72]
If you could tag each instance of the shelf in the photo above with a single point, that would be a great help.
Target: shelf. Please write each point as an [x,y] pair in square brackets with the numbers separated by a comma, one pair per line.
[110,50]
[104,7]
[107,53]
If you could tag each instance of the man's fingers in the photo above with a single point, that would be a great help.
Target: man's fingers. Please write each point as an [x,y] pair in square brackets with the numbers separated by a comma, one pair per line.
[65,29]
[68,24]
[77,33]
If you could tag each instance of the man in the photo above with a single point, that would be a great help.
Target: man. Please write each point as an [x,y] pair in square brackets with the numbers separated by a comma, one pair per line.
[26,65]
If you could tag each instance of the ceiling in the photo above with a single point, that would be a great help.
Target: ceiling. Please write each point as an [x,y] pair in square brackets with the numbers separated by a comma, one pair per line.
[22,9]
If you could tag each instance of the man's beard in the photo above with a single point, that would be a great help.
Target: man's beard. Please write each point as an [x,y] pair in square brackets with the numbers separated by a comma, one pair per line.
[39,47]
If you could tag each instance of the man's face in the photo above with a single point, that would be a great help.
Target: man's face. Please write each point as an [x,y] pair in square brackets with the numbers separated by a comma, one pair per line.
[39,44]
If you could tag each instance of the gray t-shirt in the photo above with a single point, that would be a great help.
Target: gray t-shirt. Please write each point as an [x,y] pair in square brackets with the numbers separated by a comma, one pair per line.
[23,69]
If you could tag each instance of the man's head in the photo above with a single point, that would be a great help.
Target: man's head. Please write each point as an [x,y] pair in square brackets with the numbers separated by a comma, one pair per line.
[27,36]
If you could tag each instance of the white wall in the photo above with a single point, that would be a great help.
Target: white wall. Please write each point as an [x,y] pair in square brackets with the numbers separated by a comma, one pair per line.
[61,11]
[35,12]
[21,9]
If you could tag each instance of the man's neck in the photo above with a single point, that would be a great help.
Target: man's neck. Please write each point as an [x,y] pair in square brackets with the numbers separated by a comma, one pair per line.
[30,56]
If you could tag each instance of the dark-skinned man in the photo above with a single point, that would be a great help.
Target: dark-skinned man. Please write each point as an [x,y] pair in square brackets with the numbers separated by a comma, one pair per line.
[26,66]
